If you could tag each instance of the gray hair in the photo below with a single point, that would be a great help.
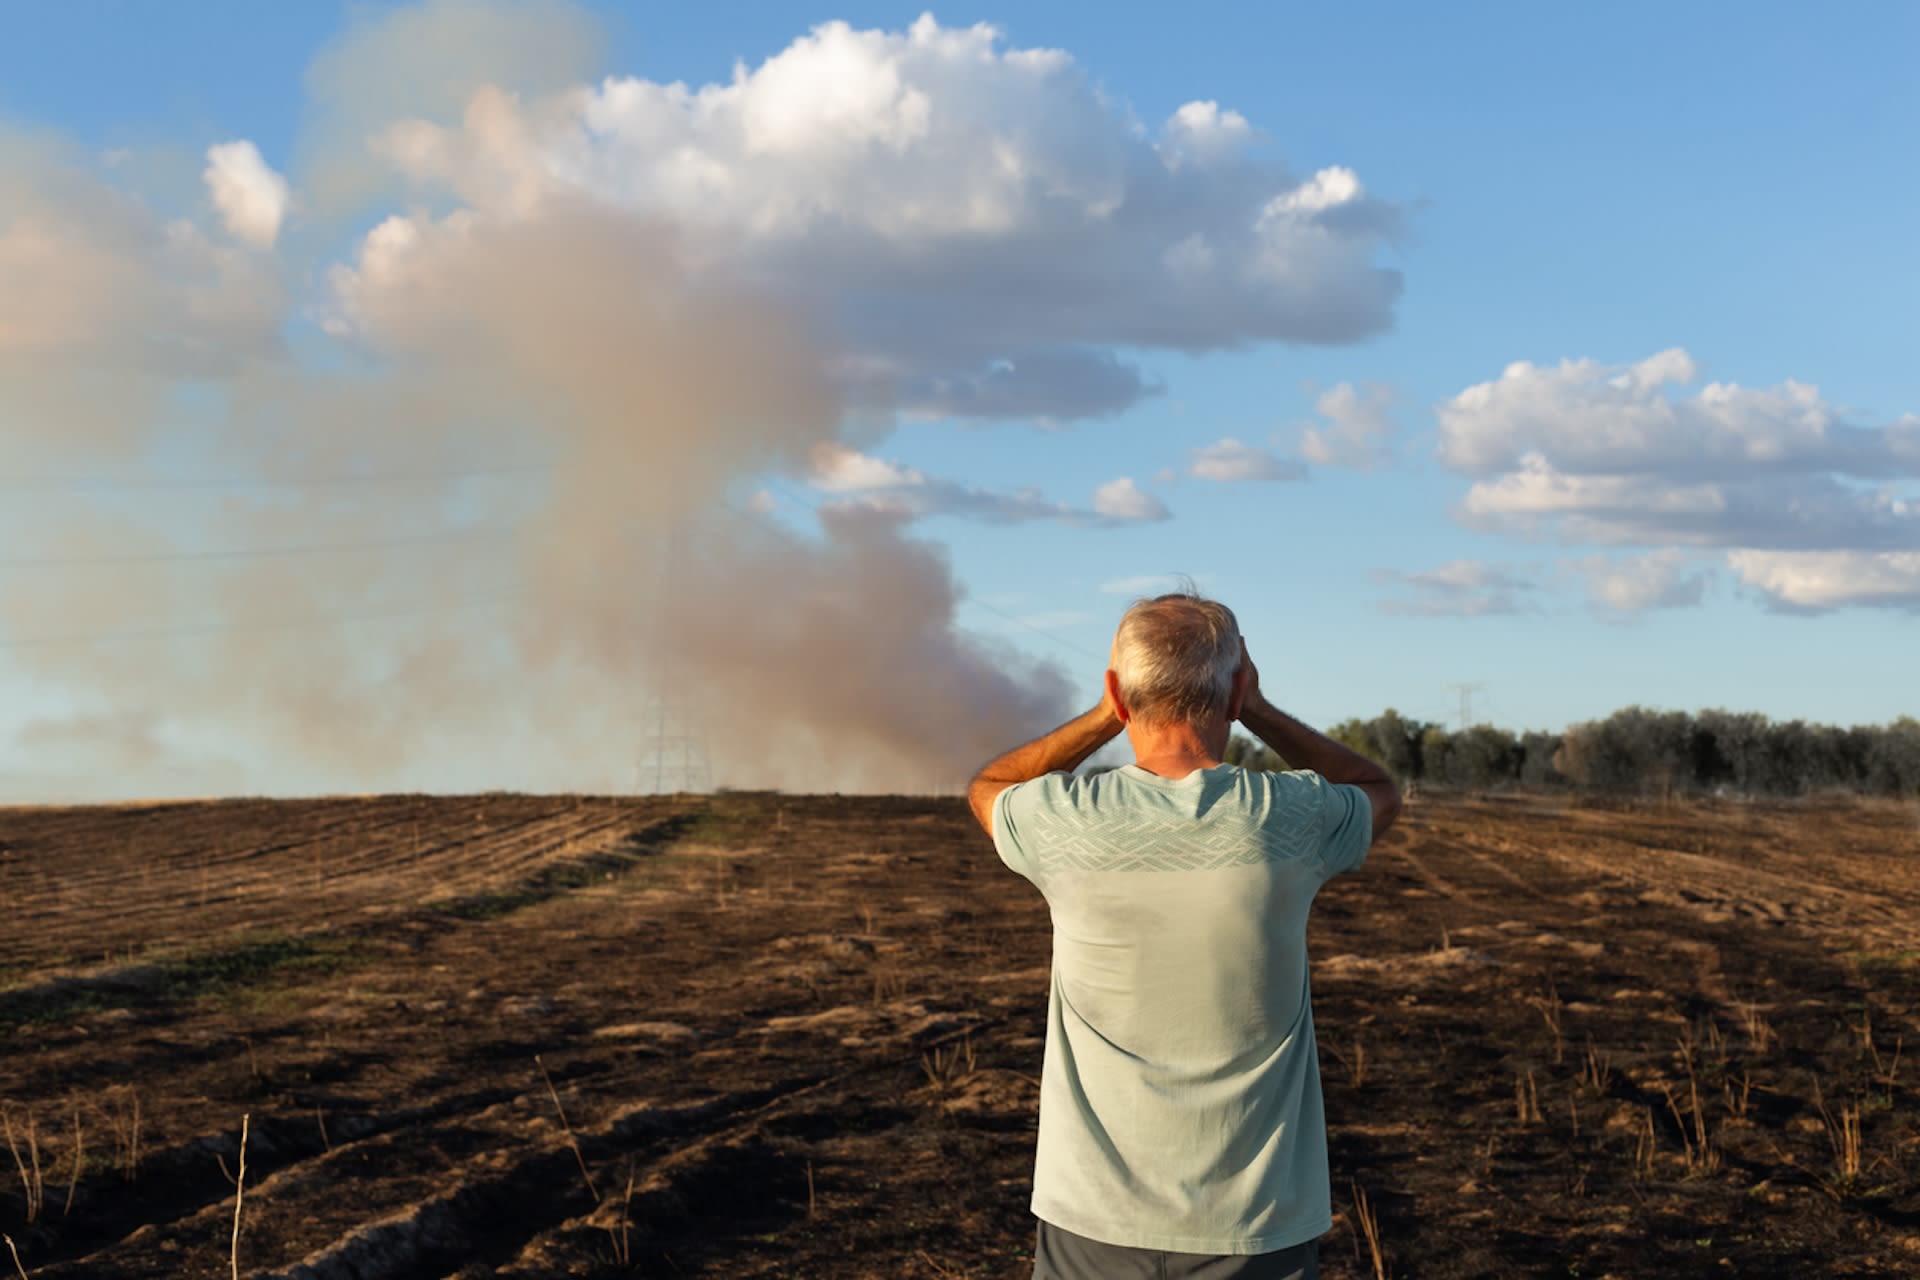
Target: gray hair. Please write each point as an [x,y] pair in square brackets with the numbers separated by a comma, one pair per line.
[1175,656]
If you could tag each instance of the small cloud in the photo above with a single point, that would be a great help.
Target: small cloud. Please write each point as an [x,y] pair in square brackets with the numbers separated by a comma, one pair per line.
[1230,461]
[252,198]
[1666,579]
[1459,588]
[1123,500]
[1357,427]
[892,488]
[1818,581]
[838,469]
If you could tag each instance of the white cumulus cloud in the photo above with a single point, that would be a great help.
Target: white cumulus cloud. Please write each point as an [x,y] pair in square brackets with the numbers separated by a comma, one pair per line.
[864,481]
[983,232]
[1637,456]
[1459,588]
[252,199]
[1357,426]
[1665,579]
[1122,499]
[1816,581]
[1588,418]
[1229,460]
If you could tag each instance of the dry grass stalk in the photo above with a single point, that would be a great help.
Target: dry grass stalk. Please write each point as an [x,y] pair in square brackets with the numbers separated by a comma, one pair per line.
[1644,1148]
[1369,1227]
[567,1128]
[1549,1006]
[16,1258]
[1597,1072]
[936,1267]
[1716,1044]
[1884,1073]
[945,1067]
[1754,1023]
[126,1131]
[31,1181]
[1844,1135]
[1696,1143]
[1891,1076]
[812,1204]
[79,1158]
[1526,1100]
[1737,1104]
[623,1238]
[1356,1066]
[239,1194]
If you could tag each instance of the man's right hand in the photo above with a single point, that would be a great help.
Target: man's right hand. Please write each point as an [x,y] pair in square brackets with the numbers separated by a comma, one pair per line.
[1250,691]
[1305,748]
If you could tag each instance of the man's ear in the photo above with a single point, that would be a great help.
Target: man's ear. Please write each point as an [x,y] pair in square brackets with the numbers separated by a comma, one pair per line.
[1113,695]
[1237,695]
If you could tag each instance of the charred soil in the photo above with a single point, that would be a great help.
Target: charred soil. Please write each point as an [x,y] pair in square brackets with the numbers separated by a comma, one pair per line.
[755,1035]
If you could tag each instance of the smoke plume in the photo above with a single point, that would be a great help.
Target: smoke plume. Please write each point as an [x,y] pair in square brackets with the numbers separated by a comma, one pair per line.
[524,630]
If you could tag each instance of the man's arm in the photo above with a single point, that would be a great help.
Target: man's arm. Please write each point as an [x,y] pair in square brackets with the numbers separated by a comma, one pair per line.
[1063,749]
[1306,748]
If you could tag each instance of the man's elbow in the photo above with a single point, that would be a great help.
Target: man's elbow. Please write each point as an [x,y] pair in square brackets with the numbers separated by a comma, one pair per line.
[981,794]
[1386,807]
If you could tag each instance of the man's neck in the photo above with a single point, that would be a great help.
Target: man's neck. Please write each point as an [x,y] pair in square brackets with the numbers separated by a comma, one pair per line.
[1176,750]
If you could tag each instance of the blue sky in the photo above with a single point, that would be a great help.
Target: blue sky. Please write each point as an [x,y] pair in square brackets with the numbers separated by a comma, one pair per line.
[1692,225]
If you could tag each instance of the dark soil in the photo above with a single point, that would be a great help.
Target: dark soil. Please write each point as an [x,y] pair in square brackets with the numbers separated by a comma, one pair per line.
[754,1035]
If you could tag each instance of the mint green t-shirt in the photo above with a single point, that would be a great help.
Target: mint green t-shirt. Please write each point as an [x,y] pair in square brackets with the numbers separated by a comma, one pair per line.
[1180,1098]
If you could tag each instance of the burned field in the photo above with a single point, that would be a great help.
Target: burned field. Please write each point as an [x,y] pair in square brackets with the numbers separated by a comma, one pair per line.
[774,1036]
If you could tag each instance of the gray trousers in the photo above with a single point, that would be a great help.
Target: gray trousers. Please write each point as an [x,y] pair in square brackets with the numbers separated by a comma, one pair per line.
[1062,1255]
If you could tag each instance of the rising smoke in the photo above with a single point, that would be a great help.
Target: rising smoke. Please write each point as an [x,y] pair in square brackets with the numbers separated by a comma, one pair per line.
[426,464]
[533,428]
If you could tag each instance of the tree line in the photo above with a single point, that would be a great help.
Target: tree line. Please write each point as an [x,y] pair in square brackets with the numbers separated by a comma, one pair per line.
[1637,751]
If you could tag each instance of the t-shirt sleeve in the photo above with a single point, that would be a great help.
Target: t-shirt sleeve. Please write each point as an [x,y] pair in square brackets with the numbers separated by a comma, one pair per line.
[1009,807]
[1346,827]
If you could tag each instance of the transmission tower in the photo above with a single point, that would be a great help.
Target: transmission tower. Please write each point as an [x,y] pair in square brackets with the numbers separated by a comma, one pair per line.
[673,748]
[1466,692]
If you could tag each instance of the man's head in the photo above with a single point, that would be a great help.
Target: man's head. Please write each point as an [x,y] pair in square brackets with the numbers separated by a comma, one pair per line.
[1174,661]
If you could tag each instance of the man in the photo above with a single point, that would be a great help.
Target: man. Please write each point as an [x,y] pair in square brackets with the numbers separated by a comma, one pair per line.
[1181,1131]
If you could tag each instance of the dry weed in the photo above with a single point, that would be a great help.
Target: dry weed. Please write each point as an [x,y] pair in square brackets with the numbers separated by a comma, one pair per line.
[32,1183]
[567,1128]
[1370,1227]
[1550,1006]
[1754,1023]
[1597,1072]
[239,1193]
[1526,1100]
[946,1067]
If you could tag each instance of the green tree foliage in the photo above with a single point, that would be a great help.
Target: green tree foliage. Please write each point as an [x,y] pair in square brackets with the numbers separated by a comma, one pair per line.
[1248,754]
[1636,751]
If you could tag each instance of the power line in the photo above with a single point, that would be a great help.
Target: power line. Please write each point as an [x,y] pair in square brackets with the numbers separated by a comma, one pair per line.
[259,553]
[170,631]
